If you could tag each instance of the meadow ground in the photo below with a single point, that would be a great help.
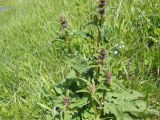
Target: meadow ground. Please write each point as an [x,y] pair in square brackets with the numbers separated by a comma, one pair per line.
[30,63]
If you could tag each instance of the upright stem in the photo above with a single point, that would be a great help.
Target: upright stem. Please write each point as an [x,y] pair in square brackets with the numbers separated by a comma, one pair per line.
[99,27]
[99,36]
[68,40]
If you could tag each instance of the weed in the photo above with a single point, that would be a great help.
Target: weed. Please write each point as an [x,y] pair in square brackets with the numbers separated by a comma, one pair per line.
[97,94]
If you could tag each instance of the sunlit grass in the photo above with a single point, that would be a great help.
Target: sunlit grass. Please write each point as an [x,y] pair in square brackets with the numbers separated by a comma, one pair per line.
[7,2]
[30,63]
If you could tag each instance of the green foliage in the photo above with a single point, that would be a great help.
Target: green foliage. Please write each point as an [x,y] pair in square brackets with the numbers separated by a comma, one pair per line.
[92,98]
[32,61]
[90,91]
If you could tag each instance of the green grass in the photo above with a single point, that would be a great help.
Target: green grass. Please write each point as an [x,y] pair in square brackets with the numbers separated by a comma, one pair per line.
[30,63]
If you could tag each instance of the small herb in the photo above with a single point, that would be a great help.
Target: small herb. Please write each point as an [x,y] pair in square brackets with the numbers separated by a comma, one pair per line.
[63,22]
[95,93]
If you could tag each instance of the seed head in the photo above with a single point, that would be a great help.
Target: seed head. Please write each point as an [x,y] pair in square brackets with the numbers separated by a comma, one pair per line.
[67,101]
[92,88]
[102,55]
[102,3]
[63,22]
[108,77]
[102,12]
[101,7]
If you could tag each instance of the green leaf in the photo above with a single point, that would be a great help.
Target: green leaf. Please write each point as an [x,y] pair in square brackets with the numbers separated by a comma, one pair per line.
[153,111]
[68,117]
[133,95]
[58,90]
[95,97]
[89,114]
[84,80]
[79,103]
[114,109]
[44,106]
[79,64]
[82,91]
[72,74]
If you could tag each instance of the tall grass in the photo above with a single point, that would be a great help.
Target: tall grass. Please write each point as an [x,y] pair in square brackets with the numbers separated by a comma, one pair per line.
[30,63]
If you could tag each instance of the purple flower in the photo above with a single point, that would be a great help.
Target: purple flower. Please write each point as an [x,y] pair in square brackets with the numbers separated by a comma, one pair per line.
[102,55]
[64,22]
[67,101]
[102,3]
[108,77]
[101,7]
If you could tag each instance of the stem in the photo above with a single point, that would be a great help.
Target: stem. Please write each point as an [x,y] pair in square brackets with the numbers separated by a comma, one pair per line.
[99,27]
[68,40]
[97,72]
[103,99]
[94,106]
[99,36]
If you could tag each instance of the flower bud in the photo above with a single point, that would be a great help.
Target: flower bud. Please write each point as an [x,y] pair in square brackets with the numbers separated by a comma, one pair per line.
[101,7]
[102,55]
[63,22]
[67,101]
[91,88]
[108,77]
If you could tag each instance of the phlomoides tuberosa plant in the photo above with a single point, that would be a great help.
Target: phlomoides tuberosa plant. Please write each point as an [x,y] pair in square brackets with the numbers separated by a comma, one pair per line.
[97,37]
[91,90]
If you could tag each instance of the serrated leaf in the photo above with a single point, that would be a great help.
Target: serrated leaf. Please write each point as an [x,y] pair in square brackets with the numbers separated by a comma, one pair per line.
[57,90]
[79,64]
[114,109]
[71,74]
[88,114]
[133,95]
[44,106]
[68,117]
[79,103]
